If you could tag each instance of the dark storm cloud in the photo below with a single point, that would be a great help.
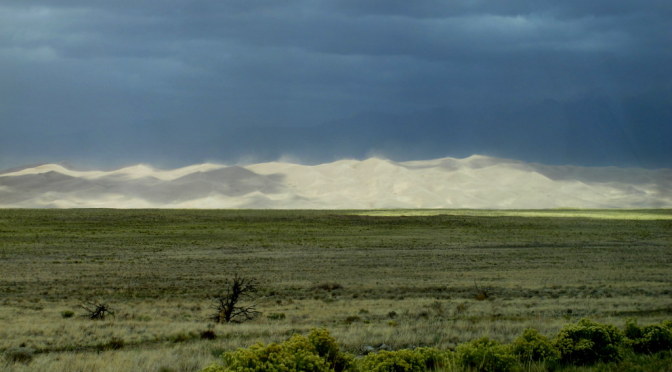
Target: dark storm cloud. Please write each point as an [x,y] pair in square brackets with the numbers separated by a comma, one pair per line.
[175,82]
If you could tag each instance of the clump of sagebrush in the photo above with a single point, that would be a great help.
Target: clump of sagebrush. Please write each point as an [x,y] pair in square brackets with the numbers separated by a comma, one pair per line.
[486,355]
[589,342]
[327,348]
[649,339]
[318,353]
[406,360]
[532,346]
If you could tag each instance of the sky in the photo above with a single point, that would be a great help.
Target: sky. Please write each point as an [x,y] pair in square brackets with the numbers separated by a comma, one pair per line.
[97,83]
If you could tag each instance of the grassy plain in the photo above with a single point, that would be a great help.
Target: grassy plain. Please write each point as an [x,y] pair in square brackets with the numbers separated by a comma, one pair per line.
[399,278]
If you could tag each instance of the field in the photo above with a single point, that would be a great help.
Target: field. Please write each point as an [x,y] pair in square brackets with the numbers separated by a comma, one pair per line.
[399,278]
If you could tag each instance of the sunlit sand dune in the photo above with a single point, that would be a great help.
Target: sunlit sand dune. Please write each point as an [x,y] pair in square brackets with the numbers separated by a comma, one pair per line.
[474,182]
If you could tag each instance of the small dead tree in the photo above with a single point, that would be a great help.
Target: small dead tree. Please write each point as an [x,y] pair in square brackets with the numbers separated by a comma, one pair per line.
[97,310]
[228,306]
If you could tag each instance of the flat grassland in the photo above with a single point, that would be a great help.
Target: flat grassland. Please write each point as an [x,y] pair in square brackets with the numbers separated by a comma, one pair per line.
[402,278]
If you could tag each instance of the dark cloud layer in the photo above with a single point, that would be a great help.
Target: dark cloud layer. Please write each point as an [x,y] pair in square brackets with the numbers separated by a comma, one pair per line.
[177,82]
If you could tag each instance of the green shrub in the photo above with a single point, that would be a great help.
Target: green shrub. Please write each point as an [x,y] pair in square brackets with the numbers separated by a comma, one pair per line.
[486,355]
[393,361]
[533,346]
[67,314]
[316,353]
[406,360]
[588,342]
[649,339]
[295,354]
[327,348]
[433,357]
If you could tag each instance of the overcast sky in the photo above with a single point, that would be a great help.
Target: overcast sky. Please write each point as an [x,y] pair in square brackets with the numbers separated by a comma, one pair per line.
[176,82]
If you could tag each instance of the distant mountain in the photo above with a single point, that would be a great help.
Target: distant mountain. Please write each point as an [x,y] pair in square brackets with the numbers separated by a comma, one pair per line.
[473,182]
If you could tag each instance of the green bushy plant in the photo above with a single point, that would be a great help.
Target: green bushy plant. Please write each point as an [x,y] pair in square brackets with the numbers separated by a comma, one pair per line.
[433,357]
[326,347]
[486,355]
[649,339]
[533,346]
[392,361]
[588,342]
[316,353]
[295,354]
[416,360]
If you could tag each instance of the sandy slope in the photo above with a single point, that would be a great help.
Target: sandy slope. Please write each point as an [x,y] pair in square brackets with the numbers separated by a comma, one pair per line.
[474,182]
[132,172]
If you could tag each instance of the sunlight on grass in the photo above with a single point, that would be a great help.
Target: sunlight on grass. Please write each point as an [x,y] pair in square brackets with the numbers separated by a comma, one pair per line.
[608,214]
[435,278]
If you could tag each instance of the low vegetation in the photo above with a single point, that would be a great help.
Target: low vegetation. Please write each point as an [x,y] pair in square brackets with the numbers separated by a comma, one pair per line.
[446,286]
[585,343]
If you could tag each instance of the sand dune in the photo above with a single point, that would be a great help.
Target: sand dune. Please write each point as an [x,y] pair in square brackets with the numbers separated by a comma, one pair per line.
[132,172]
[473,182]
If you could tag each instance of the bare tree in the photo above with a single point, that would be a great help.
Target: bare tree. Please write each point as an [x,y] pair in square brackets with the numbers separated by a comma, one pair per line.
[227,305]
[97,310]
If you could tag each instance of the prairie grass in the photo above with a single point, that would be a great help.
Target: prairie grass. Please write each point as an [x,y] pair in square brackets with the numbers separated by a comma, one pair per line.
[399,278]
[609,214]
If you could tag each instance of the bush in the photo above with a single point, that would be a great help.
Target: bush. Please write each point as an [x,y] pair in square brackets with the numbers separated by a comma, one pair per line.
[486,355]
[588,342]
[67,314]
[295,354]
[327,348]
[316,353]
[533,346]
[400,361]
[433,357]
[649,339]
